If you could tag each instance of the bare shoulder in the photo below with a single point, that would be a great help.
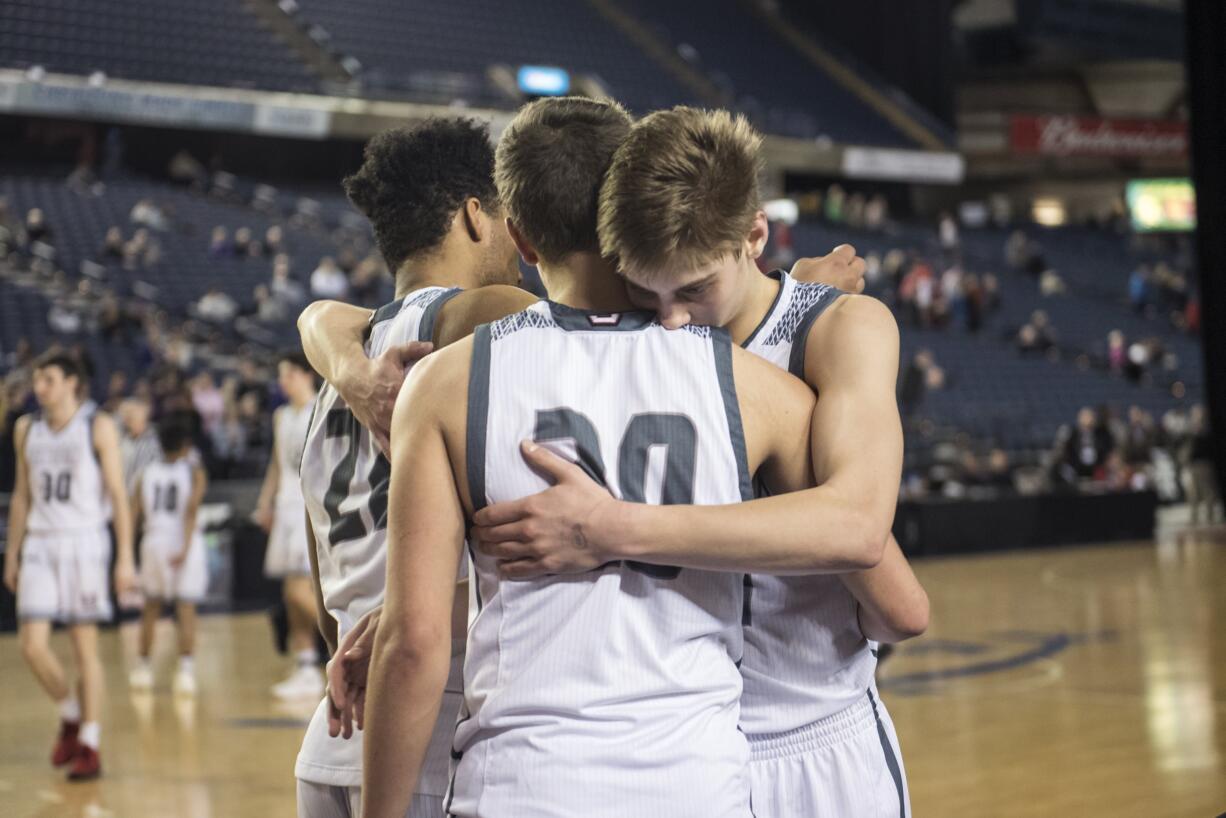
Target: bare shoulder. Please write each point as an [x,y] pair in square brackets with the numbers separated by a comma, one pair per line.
[461,315]
[21,428]
[856,331]
[855,314]
[104,427]
[437,385]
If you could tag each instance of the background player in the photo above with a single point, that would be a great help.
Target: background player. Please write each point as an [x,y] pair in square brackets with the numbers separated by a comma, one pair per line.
[165,502]
[280,511]
[442,172]
[67,462]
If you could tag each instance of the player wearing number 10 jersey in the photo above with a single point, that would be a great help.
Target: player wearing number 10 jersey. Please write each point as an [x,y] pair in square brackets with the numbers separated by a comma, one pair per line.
[440,174]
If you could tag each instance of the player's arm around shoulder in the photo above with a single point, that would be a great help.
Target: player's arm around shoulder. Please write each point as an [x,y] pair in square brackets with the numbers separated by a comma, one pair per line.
[461,315]
[851,362]
[19,504]
[332,334]
[425,537]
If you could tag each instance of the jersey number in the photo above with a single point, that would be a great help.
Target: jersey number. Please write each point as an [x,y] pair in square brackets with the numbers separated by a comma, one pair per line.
[348,525]
[57,486]
[166,498]
[673,432]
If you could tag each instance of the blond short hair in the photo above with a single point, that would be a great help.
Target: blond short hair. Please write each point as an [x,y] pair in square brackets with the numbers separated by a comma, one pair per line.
[682,190]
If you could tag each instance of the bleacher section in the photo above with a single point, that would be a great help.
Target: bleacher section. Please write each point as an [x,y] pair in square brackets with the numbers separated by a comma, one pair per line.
[427,49]
[782,91]
[994,393]
[201,42]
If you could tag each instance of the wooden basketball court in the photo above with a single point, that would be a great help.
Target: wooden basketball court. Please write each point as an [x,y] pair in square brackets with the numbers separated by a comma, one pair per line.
[1073,682]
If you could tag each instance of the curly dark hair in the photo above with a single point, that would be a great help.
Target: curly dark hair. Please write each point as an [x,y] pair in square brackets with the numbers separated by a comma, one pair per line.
[413,178]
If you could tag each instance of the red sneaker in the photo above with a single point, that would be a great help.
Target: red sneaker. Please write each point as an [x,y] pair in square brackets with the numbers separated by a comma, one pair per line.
[86,765]
[66,746]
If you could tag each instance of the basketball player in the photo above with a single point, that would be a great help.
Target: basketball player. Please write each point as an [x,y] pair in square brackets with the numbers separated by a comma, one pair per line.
[822,741]
[616,692]
[550,222]
[280,512]
[441,174]
[68,461]
[167,499]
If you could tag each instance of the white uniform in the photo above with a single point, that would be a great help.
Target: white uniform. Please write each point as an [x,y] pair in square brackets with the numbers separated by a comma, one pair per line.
[344,481]
[287,546]
[822,741]
[165,492]
[65,559]
[614,692]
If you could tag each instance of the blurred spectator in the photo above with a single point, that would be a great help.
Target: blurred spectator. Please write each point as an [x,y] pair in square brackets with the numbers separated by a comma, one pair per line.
[875,213]
[116,389]
[207,400]
[274,241]
[148,214]
[1199,479]
[138,441]
[184,169]
[855,210]
[948,232]
[1140,437]
[112,245]
[36,227]
[835,202]
[219,243]
[328,281]
[1138,288]
[1017,250]
[284,287]
[267,308]
[920,375]
[1037,335]
[972,299]
[243,243]
[142,251]
[216,305]
[1084,448]
[364,283]
[1117,351]
[229,440]
[1051,284]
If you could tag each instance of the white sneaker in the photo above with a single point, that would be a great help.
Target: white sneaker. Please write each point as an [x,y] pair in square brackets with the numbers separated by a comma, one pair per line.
[185,683]
[141,678]
[303,683]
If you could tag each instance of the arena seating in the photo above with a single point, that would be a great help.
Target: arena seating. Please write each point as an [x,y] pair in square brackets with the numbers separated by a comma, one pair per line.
[419,48]
[781,90]
[202,42]
[994,393]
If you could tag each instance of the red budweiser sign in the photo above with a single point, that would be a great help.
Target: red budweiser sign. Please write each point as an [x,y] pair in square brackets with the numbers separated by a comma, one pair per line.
[1089,136]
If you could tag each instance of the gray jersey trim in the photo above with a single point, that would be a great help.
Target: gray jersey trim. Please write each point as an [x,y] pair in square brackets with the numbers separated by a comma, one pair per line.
[780,276]
[478,414]
[721,344]
[891,761]
[425,330]
[796,363]
[572,319]
[387,312]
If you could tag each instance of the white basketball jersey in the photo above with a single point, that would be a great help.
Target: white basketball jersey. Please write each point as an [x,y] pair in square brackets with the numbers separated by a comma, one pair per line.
[344,485]
[345,475]
[805,657]
[289,432]
[65,479]
[165,491]
[613,692]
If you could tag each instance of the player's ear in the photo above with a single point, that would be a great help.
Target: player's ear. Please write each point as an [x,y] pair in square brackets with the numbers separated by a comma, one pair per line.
[526,251]
[759,233]
[476,222]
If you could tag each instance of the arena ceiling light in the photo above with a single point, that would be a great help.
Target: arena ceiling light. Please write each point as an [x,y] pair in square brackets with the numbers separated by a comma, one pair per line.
[543,80]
